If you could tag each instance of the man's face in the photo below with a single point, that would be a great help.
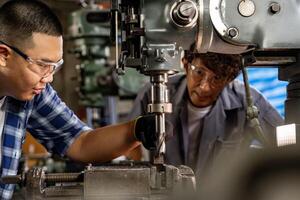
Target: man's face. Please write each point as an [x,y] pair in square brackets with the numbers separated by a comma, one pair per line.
[204,86]
[22,79]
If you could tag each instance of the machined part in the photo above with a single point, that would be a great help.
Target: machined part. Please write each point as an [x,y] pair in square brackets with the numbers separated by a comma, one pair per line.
[160,27]
[158,105]
[274,8]
[161,132]
[207,38]
[216,8]
[159,91]
[246,8]
[204,27]
[162,58]
[35,182]
[232,32]
[184,13]
[160,108]
[63,177]
[16,179]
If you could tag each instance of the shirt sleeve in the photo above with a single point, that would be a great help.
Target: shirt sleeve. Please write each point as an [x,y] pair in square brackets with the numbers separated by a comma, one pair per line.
[52,123]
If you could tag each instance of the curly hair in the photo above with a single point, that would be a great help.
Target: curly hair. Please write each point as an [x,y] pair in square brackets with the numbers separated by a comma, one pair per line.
[227,66]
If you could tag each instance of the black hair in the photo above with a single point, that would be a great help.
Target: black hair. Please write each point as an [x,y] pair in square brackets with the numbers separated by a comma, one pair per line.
[227,66]
[19,19]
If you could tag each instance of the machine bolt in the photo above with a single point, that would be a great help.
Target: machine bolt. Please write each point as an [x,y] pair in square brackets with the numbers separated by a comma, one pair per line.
[186,10]
[232,32]
[184,13]
[246,8]
[274,8]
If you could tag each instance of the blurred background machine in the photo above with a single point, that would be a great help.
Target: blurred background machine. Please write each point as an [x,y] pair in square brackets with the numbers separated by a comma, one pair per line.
[99,86]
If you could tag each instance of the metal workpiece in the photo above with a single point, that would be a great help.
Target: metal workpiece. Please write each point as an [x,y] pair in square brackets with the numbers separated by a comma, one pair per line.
[140,181]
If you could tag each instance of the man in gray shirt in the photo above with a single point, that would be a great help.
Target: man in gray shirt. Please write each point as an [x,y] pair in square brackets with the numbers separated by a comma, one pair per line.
[209,110]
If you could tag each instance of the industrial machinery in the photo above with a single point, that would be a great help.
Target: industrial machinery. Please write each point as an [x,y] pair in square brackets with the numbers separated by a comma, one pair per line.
[99,85]
[89,30]
[124,181]
[149,45]
[154,34]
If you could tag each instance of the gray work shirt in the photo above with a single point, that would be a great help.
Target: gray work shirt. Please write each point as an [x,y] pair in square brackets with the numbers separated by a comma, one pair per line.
[224,128]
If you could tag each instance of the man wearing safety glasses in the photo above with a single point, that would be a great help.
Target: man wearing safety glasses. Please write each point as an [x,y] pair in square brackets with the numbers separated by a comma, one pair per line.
[209,110]
[31,51]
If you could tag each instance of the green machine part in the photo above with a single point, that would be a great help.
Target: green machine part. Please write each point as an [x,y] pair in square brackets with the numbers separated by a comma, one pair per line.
[89,30]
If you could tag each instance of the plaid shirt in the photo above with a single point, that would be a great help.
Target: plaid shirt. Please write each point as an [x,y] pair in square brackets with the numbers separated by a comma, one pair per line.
[47,118]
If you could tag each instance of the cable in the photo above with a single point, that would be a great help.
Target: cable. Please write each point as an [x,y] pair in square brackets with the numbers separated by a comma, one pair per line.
[252,111]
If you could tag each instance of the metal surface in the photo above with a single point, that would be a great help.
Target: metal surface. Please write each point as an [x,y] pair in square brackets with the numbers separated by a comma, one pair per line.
[124,181]
[272,26]
[184,14]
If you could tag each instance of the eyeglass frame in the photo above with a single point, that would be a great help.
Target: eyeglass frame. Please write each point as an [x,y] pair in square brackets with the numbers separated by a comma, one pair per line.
[56,65]
[212,80]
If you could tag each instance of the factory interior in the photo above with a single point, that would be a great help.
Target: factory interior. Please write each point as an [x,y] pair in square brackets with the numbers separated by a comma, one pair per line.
[151,100]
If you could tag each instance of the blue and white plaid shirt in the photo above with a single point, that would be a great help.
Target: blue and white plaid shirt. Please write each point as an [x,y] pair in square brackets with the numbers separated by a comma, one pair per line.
[47,118]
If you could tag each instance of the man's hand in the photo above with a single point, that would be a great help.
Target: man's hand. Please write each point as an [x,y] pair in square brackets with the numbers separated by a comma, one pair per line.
[145,132]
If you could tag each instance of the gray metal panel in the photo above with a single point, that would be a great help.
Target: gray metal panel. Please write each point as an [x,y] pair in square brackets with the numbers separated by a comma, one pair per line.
[159,27]
[263,28]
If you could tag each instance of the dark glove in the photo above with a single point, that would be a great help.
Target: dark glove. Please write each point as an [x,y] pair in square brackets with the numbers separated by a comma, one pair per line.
[145,132]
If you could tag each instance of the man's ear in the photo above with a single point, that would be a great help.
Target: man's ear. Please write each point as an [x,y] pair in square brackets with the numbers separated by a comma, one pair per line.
[4,52]
[185,64]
